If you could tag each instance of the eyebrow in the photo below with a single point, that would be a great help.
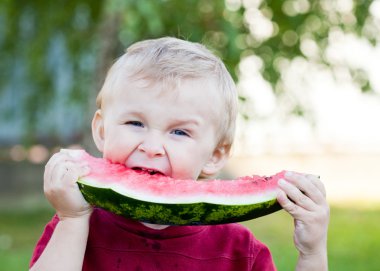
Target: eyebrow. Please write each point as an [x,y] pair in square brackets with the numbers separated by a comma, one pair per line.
[177,121]
[126,113]
[193,121]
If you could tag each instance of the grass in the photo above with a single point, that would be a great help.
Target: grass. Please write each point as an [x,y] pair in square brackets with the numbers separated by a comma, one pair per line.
[354,238]
[19,231]
[353,241]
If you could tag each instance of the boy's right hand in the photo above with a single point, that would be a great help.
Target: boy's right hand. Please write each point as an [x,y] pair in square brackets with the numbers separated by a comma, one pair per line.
[60,187]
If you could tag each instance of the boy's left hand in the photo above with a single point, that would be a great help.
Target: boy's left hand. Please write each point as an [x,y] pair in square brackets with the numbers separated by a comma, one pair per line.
[303,196]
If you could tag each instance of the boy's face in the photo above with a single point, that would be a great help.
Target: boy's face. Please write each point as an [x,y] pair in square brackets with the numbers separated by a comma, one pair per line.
[172,132]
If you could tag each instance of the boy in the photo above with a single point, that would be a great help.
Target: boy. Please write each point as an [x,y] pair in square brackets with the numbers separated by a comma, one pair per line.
[167,106]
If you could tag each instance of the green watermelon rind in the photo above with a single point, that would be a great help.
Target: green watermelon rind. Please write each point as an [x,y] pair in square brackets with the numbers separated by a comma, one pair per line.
[200,213]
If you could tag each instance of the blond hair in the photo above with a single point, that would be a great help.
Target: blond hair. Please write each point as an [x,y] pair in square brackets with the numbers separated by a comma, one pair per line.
[169,60]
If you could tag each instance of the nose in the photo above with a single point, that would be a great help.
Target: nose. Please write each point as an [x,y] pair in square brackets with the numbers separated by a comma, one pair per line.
[152,146]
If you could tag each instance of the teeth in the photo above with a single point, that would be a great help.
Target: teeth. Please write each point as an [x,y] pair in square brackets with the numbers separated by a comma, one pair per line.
[149,171]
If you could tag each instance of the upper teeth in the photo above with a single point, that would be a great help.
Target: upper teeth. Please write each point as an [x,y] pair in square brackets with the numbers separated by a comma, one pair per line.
[150,171]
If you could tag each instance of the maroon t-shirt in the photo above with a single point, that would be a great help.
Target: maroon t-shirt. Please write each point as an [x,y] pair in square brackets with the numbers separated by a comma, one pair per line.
[116,243]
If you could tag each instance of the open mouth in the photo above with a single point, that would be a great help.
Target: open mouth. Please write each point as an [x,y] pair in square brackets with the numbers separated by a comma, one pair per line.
[148,171]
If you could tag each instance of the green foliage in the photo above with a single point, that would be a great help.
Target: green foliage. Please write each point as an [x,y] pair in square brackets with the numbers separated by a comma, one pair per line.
[32,67]
[294,21]
[91,34]
[48,46]
[196,20]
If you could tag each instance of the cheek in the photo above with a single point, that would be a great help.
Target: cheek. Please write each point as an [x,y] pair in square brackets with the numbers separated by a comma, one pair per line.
[188,165]
[117,145]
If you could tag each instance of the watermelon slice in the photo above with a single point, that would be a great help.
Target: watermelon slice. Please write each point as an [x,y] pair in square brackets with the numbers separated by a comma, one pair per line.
[163,200]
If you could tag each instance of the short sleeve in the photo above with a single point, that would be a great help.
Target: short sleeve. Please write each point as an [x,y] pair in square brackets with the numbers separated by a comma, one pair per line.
[44,239]
[263,260]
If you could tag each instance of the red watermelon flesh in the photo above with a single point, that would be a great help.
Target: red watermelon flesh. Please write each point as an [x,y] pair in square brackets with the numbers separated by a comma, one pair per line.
[255,195]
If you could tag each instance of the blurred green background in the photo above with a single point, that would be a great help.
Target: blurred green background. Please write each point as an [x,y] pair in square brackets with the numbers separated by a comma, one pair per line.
[307,73]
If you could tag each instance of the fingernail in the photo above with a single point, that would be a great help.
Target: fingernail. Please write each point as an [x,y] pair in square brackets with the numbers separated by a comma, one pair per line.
[281,182]
[313,176]
[288,174]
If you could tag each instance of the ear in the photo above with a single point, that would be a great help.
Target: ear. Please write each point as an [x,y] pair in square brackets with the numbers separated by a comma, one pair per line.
[97,126]
[217,161]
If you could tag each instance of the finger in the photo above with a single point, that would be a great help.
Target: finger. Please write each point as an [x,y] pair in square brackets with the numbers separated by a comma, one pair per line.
[60,172]
[73,153]
[78,172]
[50,165]
[295,194]
[316,180]
[306,186]
[84,170]
[63,160]
[65,175]
[295,211]
[49,169]
[53,181]
[55,160]
[57,171]
[71,172]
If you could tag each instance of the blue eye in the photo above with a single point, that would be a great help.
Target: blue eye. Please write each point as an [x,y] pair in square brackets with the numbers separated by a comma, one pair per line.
[135,123]
[180,132]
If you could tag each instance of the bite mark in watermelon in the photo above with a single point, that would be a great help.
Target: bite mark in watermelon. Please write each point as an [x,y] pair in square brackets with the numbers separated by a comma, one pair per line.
[163,200]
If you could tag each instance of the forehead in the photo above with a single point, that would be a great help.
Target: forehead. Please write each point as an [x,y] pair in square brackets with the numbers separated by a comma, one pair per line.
[191,90]
[200,95]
